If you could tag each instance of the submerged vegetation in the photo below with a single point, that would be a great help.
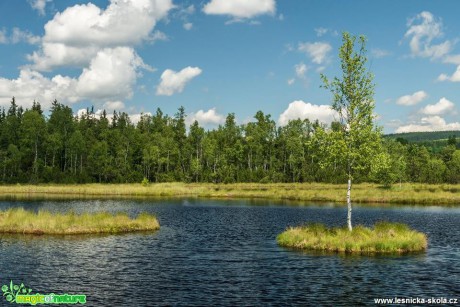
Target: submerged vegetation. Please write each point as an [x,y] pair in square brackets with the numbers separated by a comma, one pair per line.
[384,237]
[414,194]
[26,222]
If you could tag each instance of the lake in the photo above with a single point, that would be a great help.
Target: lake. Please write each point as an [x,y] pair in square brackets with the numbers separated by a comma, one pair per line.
[224,252]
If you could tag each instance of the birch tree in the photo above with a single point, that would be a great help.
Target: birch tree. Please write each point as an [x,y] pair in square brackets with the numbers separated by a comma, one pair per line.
[358,140]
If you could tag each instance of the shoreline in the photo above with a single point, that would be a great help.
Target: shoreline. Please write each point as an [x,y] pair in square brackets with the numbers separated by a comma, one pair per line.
[407,194]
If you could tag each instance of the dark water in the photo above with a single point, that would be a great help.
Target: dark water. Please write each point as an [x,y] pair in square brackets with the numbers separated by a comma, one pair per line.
[211,252]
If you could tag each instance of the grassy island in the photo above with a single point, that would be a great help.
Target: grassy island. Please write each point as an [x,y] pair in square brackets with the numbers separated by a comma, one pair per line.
[384,237]
[21,221]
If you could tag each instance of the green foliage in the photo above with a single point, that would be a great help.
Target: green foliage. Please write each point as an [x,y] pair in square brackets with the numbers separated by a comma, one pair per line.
[145,182]
[356,140]
[63,148]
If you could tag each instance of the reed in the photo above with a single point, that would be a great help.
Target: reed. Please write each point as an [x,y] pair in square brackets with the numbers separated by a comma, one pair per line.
[408,193]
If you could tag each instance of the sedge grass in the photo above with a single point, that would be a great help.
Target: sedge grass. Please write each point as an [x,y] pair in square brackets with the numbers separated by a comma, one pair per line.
[408,193]
[384,237]
[21,221]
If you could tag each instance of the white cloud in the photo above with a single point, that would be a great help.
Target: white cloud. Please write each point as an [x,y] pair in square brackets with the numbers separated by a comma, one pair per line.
[111,74]
[174,82]
[321,31]
[135,118]
[206,117]
[299,109]
[114,105]
[380,53]
[291,81]
[452,59]
[410,100]
[157,36]
[109,77]
[188,26]
[74,36]
[39,5]
[317,51]
[240,9]
[24,36]
[455,77]
[423,29]
[429,123]
[31,85]
[301,70]
[441,107]
[3,39]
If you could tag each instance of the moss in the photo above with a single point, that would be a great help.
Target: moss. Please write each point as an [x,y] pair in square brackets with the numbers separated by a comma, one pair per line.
[384,237]
[22,221]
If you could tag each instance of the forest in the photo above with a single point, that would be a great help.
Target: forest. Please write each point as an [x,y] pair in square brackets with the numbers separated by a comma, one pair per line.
[64,148]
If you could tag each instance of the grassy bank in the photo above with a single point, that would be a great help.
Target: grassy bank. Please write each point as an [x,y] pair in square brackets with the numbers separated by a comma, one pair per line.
[384,237]
[420,194]
[26,222]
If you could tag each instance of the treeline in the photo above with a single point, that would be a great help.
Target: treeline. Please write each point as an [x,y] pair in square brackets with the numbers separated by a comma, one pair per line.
[62,148]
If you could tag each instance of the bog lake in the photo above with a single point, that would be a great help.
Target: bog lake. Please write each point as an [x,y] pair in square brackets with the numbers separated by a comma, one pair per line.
[224,252]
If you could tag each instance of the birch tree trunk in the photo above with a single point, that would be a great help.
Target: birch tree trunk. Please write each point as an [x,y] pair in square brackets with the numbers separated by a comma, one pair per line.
[350,228]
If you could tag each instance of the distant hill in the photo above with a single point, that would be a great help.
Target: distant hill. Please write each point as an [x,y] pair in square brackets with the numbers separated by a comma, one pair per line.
[419,137]
[436,139]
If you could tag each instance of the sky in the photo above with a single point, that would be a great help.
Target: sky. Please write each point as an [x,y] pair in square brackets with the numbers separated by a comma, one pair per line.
[216,57]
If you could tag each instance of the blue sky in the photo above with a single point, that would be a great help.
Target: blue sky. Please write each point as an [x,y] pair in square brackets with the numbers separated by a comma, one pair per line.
[220,56]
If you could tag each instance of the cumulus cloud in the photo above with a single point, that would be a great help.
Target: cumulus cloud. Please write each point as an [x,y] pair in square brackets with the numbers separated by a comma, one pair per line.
[291,81]
[75,35]
[455,77]
[240,9]
[429,123]
[317,51]
[441,107]
[410,100]
[98,41]
[300,109]
[206,117]
[136,117]
[39,5]
[114,105]
[422,30]
[111,74]
[174,82]
[109,77]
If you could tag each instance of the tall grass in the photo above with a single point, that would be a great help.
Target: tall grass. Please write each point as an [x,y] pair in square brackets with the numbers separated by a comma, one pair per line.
[420,194]
[384,237]
[18,220]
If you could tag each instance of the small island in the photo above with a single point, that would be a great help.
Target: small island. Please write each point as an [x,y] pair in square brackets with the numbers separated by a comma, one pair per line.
[20,221]
[384,237]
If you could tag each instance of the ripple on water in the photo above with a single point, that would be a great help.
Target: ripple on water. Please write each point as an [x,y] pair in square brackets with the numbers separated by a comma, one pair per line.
[211,252]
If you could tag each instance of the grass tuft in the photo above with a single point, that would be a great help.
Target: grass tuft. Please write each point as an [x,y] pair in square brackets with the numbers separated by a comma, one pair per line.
[21,221]
[384,237]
